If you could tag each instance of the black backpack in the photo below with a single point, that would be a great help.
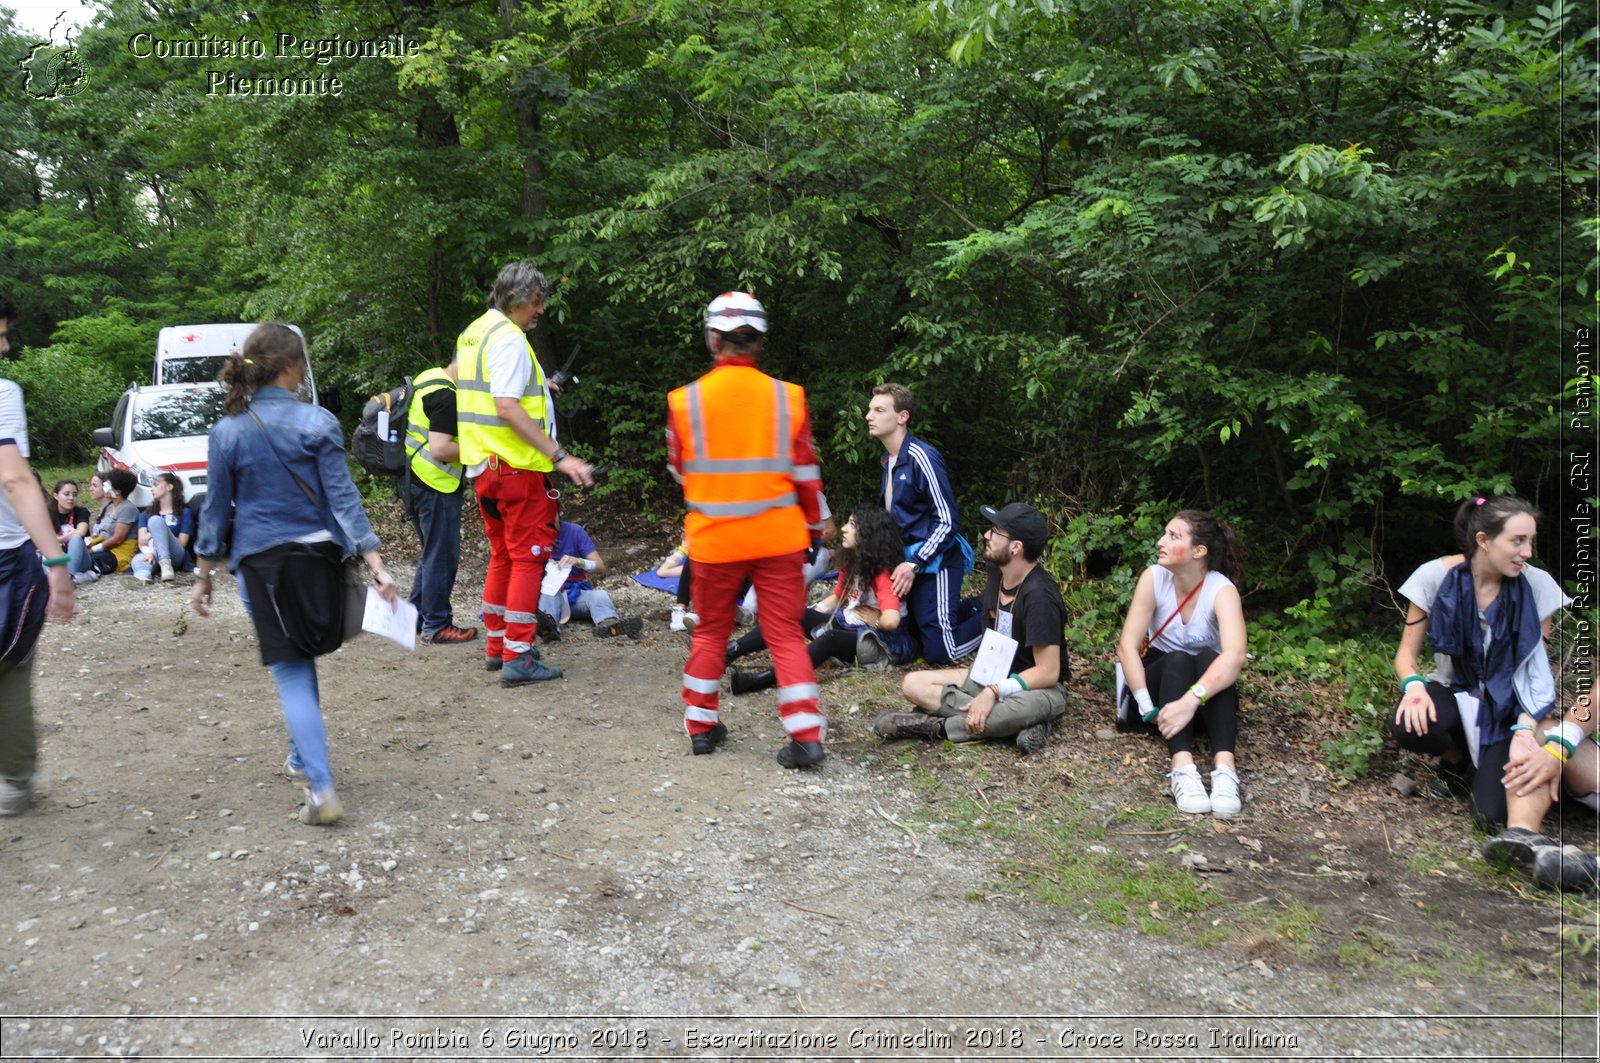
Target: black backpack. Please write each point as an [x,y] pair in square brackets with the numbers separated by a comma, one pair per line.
[383,453]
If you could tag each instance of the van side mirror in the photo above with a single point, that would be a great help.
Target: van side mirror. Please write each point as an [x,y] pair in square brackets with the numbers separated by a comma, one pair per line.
[102,437]
[329,399]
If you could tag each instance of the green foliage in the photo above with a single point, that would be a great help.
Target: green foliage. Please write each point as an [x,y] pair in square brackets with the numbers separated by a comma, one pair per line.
[63,390]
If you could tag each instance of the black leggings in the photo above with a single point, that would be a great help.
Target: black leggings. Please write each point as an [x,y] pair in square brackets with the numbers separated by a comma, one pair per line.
[1168,676]
[683,584]
[1446,733]
[753,641]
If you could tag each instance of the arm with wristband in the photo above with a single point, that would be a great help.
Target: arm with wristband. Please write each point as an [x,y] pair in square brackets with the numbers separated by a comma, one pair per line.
[1416,709]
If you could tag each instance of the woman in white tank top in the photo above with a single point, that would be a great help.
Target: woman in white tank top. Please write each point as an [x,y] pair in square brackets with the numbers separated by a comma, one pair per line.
[1181,649]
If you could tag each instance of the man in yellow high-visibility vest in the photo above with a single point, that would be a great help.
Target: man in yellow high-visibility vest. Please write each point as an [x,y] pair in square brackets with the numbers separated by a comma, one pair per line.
[505,428]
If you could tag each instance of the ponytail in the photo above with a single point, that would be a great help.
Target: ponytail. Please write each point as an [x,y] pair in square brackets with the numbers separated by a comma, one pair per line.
[1224,549]
[268,351]
[1488,514]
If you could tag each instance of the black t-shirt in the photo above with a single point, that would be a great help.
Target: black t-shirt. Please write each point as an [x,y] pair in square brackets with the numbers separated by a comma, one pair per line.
[64,522]
[1038,615]
[439,406]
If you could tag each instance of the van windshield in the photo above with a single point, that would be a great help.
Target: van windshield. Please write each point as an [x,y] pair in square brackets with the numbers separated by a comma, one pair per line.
[179,414]
[201,370]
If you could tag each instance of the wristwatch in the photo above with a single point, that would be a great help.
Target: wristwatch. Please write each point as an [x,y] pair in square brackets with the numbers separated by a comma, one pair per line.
[559,456]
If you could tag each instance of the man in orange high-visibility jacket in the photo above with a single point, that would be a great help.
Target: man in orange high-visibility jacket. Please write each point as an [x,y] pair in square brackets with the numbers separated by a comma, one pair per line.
[740,444]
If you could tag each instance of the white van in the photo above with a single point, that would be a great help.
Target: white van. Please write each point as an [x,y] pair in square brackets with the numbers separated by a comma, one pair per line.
[194,354]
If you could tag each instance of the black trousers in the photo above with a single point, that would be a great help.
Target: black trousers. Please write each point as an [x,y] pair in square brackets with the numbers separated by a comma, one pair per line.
[1447,733]
[1168,675]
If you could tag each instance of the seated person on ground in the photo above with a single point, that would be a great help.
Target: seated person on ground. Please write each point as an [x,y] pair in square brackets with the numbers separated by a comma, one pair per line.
[860,621]
[1487,710]
[1021,601]
[71,520]
[677,564]
[577,596]
[1180,653]
[166,528]
[112,540]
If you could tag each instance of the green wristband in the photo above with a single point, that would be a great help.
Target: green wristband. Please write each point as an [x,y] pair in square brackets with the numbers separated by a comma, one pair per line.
[1020,681]
[52,562]
[1408,680]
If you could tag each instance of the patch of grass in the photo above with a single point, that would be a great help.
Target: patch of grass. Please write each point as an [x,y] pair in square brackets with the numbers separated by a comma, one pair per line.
[1366,948]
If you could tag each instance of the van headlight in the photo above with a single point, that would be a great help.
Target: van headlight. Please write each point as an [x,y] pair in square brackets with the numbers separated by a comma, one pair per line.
[145,474]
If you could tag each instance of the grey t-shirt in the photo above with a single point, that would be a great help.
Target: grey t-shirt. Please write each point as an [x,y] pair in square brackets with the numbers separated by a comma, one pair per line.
[113,514]
[1423,587]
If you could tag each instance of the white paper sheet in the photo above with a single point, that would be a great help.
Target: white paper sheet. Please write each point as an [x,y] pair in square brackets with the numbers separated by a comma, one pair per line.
[993,662]
[554,576]
[398,622]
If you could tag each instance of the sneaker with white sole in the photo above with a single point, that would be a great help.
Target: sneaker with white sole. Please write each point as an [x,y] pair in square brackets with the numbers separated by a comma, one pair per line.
[1225,803]
[88,576]
[167,573]
[1189,790]
[293,772]
[321,808]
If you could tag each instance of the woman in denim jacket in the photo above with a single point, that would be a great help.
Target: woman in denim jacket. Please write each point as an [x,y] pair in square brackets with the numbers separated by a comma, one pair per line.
[280,490]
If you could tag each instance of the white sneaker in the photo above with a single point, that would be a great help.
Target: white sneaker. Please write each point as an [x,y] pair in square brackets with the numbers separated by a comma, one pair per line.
[141,576]
[689,621]
[321,809]
[292,773]
[1189,790]
[86,577]
[1225,803]
[677,619]
[166,570]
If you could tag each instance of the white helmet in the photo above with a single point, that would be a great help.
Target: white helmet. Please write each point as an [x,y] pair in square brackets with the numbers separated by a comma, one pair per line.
[735,310]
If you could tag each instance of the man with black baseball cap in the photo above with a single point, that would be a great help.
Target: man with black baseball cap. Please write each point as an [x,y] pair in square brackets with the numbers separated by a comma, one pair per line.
[1023,602]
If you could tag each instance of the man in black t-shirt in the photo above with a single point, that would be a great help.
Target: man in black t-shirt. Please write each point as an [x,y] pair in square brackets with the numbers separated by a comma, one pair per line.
[435,495]
[1022,601]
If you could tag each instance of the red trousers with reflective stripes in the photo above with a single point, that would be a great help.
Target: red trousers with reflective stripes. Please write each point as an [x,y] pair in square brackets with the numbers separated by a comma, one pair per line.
[520,518]
[780,601]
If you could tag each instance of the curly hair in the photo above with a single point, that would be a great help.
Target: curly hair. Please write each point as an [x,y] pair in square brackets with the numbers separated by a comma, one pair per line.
[878,547]
[268,351]
[172,481]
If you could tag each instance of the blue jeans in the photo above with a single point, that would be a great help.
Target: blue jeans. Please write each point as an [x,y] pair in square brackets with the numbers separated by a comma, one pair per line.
[592,604]
[437,517]
[78,555]
[166,546]
[301,702]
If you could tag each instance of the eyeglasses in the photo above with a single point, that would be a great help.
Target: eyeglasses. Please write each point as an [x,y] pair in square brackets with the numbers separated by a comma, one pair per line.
[1000,532]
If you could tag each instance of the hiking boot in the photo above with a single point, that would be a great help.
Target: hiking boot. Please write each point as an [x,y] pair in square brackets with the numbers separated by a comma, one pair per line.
[892,725]
[167,574]
[1225,803]
[546,627]
[1516,847]
[293,771]
[1189,790]
[321,809]
[801,754]
[527,669]
[748,682]
[630,626]
[1568,869]
[707,741]
[1032,739]
[15,797]
[449,634]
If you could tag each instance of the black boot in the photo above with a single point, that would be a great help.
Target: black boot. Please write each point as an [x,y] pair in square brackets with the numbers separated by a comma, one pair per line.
[744,682]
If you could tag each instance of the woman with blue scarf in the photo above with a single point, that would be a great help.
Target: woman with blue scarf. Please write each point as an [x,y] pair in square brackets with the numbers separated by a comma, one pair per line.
[1487,709]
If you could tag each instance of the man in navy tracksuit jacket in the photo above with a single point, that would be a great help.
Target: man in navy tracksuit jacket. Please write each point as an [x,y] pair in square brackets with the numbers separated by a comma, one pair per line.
[916,490]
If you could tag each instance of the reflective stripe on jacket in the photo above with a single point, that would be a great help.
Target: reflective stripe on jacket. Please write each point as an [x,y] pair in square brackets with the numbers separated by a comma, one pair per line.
[441,476]
[739,432]
[479,429]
